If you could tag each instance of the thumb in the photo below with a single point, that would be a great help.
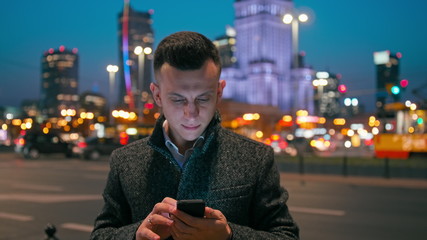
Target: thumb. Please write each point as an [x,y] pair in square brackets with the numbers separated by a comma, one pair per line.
[214,214]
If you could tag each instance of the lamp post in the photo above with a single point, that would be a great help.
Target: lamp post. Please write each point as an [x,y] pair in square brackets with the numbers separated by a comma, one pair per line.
[290,19]
[111,69]
[141,52]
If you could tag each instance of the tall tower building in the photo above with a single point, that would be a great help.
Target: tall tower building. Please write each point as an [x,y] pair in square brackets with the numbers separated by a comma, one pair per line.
[387,68]
[135,71]
[264,46]
[59,83]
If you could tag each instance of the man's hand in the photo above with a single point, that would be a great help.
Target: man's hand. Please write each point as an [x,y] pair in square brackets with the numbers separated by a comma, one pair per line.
[157,224]
[213,226]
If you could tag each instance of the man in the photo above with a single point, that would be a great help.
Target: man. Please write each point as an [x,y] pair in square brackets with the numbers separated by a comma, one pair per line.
[190,156]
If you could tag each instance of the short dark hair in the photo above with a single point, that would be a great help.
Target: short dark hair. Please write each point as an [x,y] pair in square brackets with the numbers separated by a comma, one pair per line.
[185,51]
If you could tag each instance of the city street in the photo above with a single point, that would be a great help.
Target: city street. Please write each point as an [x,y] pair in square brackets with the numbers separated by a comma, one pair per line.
[67,193]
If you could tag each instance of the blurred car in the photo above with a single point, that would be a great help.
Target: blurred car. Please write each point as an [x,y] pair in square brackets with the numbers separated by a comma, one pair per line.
[32,144]
[93,148]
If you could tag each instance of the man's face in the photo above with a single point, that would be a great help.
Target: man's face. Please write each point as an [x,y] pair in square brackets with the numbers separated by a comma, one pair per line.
[188,99]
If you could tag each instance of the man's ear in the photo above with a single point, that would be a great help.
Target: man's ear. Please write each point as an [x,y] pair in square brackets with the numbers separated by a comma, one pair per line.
[221,86]
[155,90]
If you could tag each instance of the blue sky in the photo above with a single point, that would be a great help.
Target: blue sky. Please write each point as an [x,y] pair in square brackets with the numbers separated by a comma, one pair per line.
[341,38]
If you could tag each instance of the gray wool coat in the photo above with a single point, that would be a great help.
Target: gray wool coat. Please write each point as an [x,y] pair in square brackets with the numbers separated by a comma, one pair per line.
[231,173]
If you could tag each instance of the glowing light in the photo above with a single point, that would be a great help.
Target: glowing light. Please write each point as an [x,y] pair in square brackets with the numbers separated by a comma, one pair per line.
[411,130]
[45,130]
[61,48]
[339,121]
[301,113]
[303,17]
[287,19]
[404,83]
[287,118]
[259,134]
[342,88]
[275,137]
[408,103]
[148,50]
[395,90]
[112,68]
[131,131]
[347,144]
[375,131]
[322,75]
[138,50]
[413,107]
[354,102]
[90,115]
[149,105]
[115,113]
[4,126]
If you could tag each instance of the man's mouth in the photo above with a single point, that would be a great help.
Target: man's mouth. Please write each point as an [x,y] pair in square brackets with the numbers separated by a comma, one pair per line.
[190,127]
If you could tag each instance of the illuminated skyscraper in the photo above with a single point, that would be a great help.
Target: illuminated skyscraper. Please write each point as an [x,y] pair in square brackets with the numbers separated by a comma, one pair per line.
[134,30]
[59,83]
[263,53]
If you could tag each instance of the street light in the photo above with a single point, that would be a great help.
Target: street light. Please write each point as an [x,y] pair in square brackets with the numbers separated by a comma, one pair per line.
[141,52]
[290,19]
[111,69]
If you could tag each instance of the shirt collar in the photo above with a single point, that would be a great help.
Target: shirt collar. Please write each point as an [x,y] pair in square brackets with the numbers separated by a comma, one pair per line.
[180,158]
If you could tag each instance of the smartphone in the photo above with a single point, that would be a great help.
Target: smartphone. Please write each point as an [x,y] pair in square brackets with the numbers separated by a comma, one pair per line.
[194,207]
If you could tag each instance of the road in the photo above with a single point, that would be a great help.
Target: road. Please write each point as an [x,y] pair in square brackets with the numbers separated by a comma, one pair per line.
[66,193]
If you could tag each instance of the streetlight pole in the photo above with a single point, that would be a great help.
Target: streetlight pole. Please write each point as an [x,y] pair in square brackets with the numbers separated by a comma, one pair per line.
[141,52]
[290,19]
[111,69]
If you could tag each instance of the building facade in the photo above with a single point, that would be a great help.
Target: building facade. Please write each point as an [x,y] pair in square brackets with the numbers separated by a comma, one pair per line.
[262,70]
[59,83]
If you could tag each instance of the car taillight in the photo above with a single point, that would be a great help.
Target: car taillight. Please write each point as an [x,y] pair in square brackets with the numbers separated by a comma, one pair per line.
[82,144]
[20,141]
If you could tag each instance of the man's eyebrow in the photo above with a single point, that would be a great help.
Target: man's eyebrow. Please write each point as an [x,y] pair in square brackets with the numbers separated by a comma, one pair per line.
[174,94]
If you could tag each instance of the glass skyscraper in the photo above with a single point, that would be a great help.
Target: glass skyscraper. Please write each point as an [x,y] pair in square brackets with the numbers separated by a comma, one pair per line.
[134,30]
[59,81]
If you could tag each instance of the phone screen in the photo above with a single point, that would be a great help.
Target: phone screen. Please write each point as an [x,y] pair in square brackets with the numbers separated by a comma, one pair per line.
[194,207]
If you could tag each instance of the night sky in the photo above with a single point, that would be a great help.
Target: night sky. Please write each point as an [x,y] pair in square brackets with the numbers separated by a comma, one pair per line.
[341,38]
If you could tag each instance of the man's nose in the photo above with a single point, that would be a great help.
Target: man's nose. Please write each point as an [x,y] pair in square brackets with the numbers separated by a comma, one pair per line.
[191,110]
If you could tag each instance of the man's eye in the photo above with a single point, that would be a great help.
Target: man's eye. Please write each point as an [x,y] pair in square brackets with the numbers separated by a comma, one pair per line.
[177,100]
[202,100]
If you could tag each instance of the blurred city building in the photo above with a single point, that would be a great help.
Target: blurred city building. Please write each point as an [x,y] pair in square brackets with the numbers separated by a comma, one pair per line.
[93,102]
[327,94]
[261,71]
[59,83]
[227,47]
[389,86]
[29,108]
[136,40]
